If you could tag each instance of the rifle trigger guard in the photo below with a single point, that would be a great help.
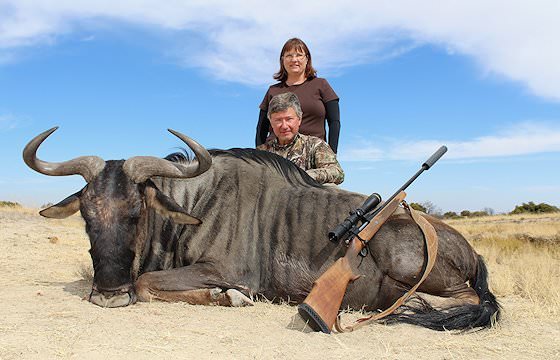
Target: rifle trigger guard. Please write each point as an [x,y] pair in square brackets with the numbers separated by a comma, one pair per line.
[364,252]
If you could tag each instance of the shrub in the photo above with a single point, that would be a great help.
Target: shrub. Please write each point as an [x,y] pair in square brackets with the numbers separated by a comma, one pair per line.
[418,207]
[479,213]
[532,208]
[9,204]
[451,215]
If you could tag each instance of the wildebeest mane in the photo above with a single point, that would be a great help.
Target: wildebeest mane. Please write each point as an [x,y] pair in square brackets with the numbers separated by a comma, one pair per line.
[290,171]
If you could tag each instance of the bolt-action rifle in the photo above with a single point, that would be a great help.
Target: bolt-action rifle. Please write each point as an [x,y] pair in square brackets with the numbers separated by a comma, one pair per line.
[320,308]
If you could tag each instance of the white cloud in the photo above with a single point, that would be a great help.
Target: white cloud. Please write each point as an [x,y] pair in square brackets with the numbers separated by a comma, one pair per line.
[515,39]
[520,139]
[8,122]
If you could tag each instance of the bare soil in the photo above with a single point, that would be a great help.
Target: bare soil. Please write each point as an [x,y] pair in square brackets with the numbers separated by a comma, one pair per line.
[43,315]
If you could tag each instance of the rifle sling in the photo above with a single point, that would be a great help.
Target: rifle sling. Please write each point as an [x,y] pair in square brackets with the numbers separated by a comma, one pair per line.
[431,239]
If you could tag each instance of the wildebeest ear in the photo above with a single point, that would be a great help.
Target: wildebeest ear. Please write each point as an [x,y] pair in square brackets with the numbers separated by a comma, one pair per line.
[167,207]
[64,208]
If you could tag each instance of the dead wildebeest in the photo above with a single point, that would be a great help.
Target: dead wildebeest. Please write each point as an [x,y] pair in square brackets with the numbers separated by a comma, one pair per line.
[230,224]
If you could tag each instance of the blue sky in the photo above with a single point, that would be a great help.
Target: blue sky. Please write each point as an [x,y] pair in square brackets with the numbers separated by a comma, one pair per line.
[481,77]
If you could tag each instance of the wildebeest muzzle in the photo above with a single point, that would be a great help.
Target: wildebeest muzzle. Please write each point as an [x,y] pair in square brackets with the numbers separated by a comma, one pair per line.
[122,296]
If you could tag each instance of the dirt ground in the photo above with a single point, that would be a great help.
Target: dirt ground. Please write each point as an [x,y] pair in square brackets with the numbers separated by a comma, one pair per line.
[43,315]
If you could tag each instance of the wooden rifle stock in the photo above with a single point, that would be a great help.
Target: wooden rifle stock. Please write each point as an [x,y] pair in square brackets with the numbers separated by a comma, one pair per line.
[320,308]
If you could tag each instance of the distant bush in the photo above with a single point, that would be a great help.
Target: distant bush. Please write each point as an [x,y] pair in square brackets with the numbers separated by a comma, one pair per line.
[479,213]
[532,208]
[485,212]
[428,207]
[9,204]
[451,215]
[418,207]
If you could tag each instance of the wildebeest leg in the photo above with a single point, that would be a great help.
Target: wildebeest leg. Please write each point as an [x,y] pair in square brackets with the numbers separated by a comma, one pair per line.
[389,291]
[457,295]
[198,284]
[453,296]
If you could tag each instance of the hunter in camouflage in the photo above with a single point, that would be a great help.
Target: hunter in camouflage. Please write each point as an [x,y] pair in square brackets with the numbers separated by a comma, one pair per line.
[312,155]
[308,152]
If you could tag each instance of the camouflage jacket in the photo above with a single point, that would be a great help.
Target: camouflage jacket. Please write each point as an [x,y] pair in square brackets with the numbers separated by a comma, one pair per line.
[312,155]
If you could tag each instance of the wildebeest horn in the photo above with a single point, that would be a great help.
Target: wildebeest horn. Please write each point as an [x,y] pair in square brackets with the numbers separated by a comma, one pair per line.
[141,168]
[87,166]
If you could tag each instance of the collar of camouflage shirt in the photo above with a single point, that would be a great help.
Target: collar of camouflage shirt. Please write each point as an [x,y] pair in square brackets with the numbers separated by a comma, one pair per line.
[279,146]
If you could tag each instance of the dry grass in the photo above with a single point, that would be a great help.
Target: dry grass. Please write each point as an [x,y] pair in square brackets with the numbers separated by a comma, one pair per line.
[523,256]
[44,315]
[10,207]
[522,253]
[538,229]
[73,221]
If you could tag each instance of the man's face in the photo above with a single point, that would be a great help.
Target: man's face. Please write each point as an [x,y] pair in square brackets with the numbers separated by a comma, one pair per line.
[285,125]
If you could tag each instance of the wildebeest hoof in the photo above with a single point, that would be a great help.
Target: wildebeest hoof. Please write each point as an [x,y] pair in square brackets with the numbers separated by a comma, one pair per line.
[237,299]
[215,293]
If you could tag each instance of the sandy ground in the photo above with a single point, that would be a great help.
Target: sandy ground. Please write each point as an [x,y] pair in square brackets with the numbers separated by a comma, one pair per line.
[43,315]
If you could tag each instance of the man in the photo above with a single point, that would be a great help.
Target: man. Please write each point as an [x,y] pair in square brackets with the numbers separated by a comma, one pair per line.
[308,152]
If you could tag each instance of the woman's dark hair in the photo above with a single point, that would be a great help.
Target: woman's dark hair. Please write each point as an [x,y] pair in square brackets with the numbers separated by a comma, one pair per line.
[298,45]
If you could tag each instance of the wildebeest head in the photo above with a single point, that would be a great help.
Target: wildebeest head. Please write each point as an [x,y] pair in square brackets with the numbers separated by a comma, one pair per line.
[114,205]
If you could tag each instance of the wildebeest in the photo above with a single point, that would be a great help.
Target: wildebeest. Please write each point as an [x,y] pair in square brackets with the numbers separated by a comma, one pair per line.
[229,224]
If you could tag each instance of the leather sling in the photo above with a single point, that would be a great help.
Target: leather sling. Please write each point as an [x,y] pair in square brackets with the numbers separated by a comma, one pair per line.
[431,239]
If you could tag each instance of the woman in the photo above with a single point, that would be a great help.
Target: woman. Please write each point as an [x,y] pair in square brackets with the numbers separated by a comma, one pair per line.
[318,100]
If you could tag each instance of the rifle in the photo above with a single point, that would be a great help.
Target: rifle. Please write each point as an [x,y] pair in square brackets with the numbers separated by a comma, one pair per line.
[320,308]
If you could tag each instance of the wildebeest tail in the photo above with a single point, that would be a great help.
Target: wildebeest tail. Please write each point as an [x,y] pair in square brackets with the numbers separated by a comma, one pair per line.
[464,317]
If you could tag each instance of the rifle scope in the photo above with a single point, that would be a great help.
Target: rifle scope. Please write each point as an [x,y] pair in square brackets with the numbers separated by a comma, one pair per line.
[341,229]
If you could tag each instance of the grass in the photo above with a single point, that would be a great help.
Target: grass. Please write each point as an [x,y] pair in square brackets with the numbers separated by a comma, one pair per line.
[538,229]
[523,256]
[522,253]
[9,204]
[17,209]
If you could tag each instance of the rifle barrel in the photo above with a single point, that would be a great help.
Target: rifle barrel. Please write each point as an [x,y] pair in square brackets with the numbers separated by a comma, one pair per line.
[425,166]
